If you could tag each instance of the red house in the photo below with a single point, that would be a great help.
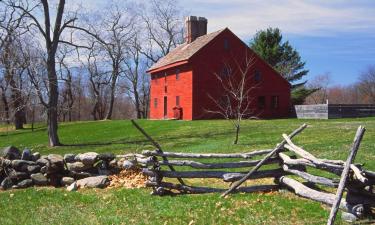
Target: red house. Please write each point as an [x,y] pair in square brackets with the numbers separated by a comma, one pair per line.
[185,82]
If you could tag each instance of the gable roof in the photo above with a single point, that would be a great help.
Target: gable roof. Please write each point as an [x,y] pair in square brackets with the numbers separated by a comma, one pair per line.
[185,51]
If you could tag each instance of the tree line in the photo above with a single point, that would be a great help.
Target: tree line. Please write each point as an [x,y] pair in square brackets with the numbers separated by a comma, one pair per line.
[65,62]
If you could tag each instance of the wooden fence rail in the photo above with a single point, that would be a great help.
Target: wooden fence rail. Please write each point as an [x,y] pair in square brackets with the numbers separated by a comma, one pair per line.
[284,163]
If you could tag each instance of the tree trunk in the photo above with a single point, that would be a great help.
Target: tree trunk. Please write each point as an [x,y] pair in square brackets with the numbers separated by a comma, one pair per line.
[237,133]
[52,119]
[137,105]
[6,104]
[112,97]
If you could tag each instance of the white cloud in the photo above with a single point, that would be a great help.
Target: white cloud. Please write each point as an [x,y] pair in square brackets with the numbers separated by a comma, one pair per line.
[312,18]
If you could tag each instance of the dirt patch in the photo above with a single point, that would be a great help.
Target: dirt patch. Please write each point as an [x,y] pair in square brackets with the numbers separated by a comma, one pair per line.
[128,178]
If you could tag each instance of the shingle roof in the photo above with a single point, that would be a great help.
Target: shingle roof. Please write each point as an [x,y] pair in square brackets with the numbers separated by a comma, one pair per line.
[185,51]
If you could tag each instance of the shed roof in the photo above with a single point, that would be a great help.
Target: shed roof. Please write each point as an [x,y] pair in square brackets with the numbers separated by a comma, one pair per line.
[185,51]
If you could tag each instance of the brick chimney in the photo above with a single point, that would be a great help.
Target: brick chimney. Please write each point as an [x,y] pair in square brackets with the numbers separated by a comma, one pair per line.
[195,27]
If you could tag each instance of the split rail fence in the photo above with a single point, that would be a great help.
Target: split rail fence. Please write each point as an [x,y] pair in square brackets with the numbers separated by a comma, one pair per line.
[289,165]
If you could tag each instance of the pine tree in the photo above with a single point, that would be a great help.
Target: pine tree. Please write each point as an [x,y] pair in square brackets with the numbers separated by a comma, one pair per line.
[269,45]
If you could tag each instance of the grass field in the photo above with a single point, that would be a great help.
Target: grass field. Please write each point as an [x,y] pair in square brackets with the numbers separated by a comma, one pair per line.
[325,138]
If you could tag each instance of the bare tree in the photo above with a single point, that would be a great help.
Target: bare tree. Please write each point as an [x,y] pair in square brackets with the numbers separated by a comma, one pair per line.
[67,102]
[234,103]
[321,84]
[112,35]
[366,84]
[38,14]
[99,79]
[163,21]
[12,27]
[137,78]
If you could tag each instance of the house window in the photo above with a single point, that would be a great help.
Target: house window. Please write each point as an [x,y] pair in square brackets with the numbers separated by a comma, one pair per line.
[275,102]
[165,77]
[261,102]
[226,44]
[177,74]
[155,102]
[177,100]
[257,75]
[165,89]
[226,71]
[155,78]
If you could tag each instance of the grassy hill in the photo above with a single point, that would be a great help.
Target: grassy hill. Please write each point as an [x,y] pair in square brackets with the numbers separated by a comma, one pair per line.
[325,138]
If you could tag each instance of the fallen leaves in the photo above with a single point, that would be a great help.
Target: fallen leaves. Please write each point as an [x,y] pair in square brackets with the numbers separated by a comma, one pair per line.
[131,178]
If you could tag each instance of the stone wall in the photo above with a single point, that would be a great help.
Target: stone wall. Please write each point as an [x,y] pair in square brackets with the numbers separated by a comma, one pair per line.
[24,169]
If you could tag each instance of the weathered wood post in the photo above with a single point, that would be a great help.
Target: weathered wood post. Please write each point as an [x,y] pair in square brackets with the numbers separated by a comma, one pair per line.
[344,176]
[278,148]
[158,147]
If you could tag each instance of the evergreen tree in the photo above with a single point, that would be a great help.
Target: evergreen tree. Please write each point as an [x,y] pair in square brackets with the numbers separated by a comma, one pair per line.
[269,45]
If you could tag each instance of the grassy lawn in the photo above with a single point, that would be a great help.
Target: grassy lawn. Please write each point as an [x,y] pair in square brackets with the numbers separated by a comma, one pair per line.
[325,138]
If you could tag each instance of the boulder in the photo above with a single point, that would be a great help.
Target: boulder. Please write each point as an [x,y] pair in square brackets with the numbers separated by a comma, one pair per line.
[6,183]
[88,158]
[35,156]
[42,162]
[33,169]
[106,157]
[66,181]
[72,187]
[11,153]
[129,164]
[93,182]
[15,175]
[56,163]
[79,175]
[69,158]
[26,155]
[113,163]
[39,179]
[77,166]
[21,165]
[25,183]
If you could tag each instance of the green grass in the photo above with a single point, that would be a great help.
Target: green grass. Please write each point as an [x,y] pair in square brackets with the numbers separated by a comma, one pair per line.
[324,138]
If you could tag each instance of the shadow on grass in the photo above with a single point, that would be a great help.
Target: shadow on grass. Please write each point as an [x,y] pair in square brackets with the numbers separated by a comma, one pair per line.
[145,141]
[23,131]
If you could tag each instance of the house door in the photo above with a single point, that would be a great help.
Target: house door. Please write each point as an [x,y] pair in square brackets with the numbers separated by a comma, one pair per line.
[165,107]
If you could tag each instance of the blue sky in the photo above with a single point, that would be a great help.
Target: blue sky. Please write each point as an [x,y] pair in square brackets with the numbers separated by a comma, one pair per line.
[332,36]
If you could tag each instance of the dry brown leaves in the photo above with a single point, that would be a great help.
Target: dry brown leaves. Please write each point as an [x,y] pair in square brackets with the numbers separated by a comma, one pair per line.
[132,178]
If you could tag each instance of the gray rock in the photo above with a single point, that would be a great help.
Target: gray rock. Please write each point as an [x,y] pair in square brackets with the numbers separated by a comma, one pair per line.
[39,179]
[129,164]
[113,163]
[56,163]
[80,175]
[42,162]
[106,157]
[5,162]
[21,165]
[6,183]
[43,169]
[72,187]
[77,166]
[69,158]
[88,158]
[33,169]
[26,155]
[15,175]
[11,153]
[35,156]
[348,217]
[66,181]
[93,182]
[25,183]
